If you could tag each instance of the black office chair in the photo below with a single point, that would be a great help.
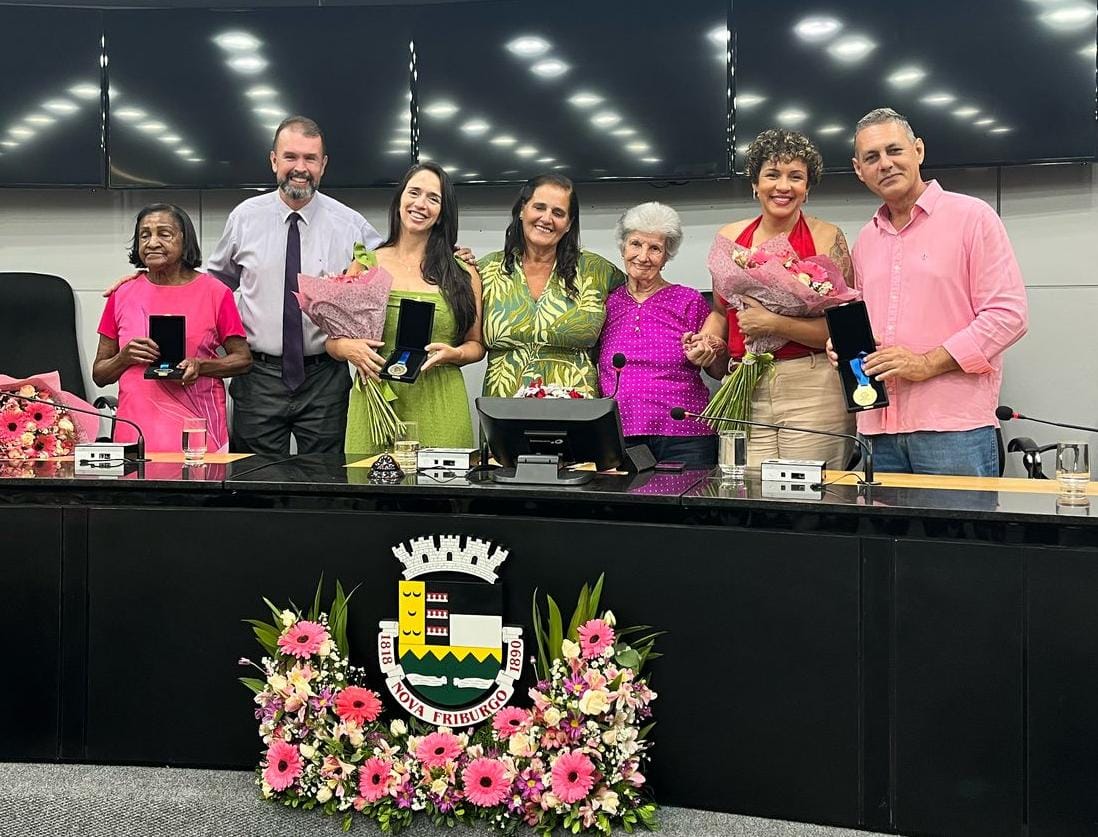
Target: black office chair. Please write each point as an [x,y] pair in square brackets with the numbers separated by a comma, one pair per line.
[38,331]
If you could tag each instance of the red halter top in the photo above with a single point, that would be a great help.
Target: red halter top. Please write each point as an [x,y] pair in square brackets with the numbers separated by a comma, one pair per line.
[800,237]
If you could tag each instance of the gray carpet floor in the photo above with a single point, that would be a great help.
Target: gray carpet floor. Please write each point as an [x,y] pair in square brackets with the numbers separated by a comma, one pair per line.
[49,800]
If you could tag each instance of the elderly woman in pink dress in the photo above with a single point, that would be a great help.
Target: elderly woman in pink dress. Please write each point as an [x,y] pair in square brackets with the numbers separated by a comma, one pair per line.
[166,246]
[647,319]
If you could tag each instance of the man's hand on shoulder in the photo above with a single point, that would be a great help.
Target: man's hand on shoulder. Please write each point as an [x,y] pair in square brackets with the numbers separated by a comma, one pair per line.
[122,282]
[465,254]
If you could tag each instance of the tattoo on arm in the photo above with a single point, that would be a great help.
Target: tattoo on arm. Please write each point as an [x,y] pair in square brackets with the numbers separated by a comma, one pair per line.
[840,254]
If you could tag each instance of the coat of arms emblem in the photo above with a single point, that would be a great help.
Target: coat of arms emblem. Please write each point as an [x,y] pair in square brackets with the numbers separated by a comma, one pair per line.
[447,658]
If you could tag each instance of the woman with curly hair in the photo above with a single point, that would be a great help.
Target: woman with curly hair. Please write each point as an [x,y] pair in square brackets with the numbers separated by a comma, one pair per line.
[544,297]
[801,390]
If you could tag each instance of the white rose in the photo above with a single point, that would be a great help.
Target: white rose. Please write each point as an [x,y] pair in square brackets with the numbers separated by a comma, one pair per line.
[608,801]
[594,702]
[570,650]
[325,648]
[552,716]
[307,751]
[520,745]
[398,728]
[324,794]
[439,786]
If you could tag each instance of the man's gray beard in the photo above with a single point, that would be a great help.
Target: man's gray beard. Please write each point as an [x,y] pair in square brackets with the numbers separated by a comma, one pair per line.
[296,193]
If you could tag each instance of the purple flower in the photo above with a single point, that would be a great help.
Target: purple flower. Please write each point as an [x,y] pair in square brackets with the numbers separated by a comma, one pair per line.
[542,686]
[530,783]
[575,685]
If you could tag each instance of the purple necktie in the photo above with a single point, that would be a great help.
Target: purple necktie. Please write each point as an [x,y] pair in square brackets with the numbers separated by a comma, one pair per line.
[293,351]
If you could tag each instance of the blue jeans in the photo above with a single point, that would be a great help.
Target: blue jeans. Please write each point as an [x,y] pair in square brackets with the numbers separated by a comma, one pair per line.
[695,451]
[970,453]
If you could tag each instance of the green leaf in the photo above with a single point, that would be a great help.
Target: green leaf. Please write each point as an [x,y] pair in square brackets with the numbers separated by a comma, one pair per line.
[578,615]
[628,657]
[265,635]
[642,733]
[539,638]
[253,683]
[556,629]
[596,594]
[314,611]
[276,611]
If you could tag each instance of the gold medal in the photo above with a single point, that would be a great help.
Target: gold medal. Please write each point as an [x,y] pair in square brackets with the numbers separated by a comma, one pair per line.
[397,369]
[864,395]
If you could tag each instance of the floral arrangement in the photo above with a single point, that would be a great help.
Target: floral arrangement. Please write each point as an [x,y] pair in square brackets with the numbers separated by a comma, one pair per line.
[573,760]
[35,431]
[354,305]
[537,388]
[782,282]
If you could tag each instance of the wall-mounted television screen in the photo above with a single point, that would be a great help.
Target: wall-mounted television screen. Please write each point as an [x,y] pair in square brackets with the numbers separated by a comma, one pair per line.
[616,89]
[50,112]
[983,82]
[195,96]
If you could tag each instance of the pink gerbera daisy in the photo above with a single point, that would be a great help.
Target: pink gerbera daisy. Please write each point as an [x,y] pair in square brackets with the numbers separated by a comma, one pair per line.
[508,721]
[438,748]
[573,777]
[42,415]
[302,639]
[357,704]
[373,778]
[595,637]
[283,765]
[485,782]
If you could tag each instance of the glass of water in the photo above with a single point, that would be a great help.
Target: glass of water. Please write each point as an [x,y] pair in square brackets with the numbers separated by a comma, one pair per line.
[406,447]
[1073,473]
[732,454]
[194,440]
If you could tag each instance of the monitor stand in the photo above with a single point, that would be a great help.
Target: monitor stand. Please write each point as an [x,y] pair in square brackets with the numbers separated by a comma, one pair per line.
[540,469]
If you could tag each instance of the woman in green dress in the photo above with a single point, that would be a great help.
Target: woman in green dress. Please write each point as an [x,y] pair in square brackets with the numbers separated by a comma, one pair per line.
[544,297]
[419,253]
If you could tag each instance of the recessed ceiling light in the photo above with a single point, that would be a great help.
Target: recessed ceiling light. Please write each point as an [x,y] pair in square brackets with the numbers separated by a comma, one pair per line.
[247,64]
[185,152]
[475,127]
[21,132]
[585,99]
[987,120]
[39,119]
[938,99]
[791,116]
[128,114]
[817,28]
[503,139]
[261,91]
[605,119]
[719,35]
[397,151]
[1069,17]
[526,151]
[269,110]
[9,143]
[528,46]
[907,76]
[442,109]
[623,132]
[966,112]
[851,48]
[747,100]
[638,146]
[85,90]
[152,127]
[237,41]
[1001,129]
[549,68]
[560,166]
[829,128]
[1088,51]
[62,106]
[170,139]
[195,160]
[650,159]
[546,160]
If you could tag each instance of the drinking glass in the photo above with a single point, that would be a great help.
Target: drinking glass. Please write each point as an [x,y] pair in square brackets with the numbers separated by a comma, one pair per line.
[406,447]
[194,441]
[732,454]
[1073,473]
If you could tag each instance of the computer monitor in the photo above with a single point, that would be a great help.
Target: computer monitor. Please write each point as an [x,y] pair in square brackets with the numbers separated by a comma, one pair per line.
[548,432]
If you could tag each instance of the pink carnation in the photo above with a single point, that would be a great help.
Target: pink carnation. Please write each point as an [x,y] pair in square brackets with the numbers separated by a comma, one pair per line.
[573,777]
[283,765]
[485,782]
[595,637]
[357,704]
[373,779]
[508,721]
[302,639]
[438,748]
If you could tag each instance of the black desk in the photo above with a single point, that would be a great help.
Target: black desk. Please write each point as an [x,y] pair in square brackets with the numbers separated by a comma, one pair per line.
[918,660]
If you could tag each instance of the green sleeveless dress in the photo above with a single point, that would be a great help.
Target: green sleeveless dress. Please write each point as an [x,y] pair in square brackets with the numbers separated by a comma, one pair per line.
[437,400]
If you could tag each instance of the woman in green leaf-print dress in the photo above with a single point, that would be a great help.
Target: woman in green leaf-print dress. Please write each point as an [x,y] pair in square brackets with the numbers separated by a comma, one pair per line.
[544,298]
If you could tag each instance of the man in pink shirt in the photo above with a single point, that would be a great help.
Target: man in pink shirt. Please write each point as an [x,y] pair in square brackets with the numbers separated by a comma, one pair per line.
[945,297]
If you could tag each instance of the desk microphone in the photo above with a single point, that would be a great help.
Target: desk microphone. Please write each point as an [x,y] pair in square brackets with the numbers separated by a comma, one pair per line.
[678,414]
[1004,413]
[96,413]
[619,361]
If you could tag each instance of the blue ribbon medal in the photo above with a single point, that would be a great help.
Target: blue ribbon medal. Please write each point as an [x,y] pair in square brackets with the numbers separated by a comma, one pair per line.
[401,366]
[864,395]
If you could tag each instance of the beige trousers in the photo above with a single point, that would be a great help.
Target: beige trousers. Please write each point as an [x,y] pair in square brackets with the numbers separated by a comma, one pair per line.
[804,392]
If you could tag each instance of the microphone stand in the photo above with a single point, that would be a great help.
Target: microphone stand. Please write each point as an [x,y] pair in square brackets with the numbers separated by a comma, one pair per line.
[867,451]
[1053,423]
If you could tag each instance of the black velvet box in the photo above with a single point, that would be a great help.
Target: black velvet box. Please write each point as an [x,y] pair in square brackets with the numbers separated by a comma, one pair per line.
[414,325]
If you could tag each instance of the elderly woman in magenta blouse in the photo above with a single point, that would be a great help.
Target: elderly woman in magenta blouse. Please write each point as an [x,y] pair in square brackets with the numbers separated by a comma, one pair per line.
[646,320]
